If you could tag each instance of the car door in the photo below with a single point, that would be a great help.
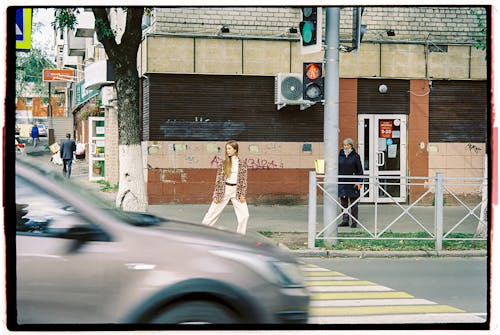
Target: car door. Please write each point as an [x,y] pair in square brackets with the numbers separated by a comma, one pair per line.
[59,279]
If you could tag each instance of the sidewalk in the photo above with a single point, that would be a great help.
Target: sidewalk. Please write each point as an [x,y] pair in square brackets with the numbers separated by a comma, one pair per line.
[277,218]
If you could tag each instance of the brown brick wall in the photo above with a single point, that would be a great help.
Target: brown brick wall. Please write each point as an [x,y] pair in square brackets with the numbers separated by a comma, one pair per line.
[348,110]
[196,186]
[39,109]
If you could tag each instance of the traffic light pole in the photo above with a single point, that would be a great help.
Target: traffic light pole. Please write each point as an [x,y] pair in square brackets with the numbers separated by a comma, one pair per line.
[331,121]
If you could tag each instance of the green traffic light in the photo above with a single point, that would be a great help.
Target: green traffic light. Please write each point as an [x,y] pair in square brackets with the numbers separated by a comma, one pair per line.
[307,31]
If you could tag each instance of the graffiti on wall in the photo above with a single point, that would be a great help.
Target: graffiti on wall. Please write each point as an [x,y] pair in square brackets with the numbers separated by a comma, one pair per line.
[253,163]
[264,164]
[473,148]
[201,129]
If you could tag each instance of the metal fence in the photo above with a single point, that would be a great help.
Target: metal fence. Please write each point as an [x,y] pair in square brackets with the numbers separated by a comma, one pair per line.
[442,210]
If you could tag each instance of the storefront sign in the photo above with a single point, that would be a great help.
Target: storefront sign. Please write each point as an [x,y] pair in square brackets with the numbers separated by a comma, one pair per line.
[58,75]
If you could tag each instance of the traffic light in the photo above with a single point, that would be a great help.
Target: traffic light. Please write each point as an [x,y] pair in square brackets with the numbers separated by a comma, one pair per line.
[358,29]
[311,30]
[312,82]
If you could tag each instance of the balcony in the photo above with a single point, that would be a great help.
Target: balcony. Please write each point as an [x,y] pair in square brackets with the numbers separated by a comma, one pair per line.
[99,74]
[76,45]
[85,26]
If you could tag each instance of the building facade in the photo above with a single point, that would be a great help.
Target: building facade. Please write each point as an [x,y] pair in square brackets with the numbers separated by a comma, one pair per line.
[202,87]
[414,97]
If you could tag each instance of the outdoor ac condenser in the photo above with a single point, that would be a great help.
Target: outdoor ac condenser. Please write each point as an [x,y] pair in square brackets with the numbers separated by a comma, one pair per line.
[288,91]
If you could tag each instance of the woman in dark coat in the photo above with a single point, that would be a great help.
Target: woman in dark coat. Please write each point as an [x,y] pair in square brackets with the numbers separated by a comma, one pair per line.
[349,164]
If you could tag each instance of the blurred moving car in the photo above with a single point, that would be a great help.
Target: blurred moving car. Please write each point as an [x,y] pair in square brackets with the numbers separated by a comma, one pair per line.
[42,130]
[79,262]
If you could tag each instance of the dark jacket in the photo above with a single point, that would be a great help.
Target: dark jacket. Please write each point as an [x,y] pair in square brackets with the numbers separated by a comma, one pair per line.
[68,146]
[350,165]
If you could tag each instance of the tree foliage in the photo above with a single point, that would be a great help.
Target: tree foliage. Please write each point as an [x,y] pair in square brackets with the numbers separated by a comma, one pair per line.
[65,18]
[481,38]
[30,65]
[29,69]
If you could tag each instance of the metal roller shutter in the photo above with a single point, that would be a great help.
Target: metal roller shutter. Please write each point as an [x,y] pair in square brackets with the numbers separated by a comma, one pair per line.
[212,107]
[458,111]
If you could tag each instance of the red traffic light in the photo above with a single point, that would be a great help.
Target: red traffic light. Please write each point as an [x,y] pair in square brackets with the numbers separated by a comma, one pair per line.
[313,71]
[312,81]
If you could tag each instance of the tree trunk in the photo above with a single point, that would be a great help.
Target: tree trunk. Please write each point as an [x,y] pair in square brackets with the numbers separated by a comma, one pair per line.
[131,193]
[132,189]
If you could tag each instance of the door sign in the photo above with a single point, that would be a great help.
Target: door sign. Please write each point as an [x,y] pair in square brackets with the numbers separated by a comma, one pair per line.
[386,129]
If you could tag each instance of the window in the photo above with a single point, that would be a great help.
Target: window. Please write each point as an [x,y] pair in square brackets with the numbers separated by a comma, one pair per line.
[41,214]
[29,101]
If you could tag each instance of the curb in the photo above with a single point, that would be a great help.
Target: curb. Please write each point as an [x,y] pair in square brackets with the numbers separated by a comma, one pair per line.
[387,254]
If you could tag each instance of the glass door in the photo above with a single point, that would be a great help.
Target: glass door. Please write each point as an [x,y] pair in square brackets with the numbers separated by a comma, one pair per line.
[382,147]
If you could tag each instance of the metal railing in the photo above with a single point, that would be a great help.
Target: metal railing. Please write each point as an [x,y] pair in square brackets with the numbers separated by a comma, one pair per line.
[437,221]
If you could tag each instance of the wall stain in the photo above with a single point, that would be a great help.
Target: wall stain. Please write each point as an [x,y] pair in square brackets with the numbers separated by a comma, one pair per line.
[172,176]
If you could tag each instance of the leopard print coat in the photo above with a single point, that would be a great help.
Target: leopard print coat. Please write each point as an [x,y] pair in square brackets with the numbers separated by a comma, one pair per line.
[241,185]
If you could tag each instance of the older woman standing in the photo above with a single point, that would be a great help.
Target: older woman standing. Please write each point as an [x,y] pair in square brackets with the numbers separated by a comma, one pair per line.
[230,184]
[349,164]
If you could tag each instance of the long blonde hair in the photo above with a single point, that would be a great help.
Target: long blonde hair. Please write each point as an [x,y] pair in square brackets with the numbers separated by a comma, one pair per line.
[227,160]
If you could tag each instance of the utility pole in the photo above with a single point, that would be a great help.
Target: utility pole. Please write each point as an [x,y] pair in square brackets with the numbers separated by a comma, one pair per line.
[331,121]
[50,135]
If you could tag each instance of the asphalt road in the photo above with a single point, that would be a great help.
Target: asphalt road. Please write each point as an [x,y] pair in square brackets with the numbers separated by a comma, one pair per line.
[453,281]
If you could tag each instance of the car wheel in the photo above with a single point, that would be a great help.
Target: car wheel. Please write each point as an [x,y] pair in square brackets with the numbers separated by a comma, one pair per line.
[196,312]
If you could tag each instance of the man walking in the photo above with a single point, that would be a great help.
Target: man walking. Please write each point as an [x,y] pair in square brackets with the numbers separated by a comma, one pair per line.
[34,135]
[68,147]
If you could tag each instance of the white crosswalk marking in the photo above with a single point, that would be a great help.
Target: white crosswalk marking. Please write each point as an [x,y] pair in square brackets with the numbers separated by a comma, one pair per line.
[340,299]
[352,288]
[370,302]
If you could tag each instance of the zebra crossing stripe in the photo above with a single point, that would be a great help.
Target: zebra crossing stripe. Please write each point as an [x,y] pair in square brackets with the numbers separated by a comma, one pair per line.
[330,278]
[339,283]
[314,268]
[359,295]
[337,298]
[398,319]
[322,273]
[367,310]
[358,288]
[370,302]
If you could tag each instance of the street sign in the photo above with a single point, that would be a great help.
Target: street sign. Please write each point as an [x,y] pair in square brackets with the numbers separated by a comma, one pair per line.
[57,75]
[23,28]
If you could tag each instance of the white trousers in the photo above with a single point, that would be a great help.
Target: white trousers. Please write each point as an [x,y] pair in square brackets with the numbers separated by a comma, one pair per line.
[240,209]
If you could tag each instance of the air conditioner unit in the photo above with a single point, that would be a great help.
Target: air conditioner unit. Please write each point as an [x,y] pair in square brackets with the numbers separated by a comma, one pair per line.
[288,90]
